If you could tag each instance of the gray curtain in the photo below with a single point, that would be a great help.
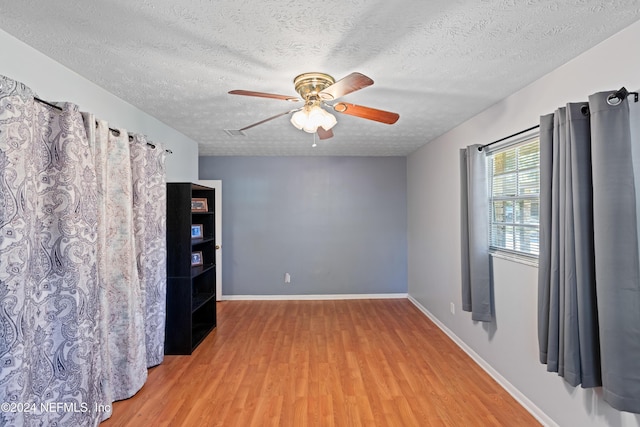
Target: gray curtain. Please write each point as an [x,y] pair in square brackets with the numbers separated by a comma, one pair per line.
[474,231]
[589,267]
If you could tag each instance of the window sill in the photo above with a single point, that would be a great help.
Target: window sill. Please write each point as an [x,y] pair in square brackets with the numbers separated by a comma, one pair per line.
[520,259]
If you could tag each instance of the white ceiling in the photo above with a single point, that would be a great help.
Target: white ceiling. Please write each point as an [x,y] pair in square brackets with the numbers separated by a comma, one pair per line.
[436,62]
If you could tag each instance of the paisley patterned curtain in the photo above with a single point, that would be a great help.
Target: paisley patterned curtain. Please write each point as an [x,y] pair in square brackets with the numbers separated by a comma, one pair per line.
[82,262]
[149,209]
[49,310]
[122,304]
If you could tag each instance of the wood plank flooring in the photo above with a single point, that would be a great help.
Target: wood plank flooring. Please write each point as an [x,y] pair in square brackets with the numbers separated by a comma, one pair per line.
[321,363]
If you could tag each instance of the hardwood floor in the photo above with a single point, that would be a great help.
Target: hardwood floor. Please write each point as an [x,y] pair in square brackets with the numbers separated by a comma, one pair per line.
[321,363]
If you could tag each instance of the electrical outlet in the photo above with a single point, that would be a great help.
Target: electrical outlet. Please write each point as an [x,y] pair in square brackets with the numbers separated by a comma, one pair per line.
[453,308]
[287,278]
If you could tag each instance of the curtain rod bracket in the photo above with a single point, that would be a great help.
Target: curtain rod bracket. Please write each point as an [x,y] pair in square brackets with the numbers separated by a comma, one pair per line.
[623,93]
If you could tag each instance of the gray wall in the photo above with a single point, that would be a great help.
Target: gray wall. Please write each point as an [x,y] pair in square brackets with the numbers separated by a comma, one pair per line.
[338,225]
[509,345]
[52,81]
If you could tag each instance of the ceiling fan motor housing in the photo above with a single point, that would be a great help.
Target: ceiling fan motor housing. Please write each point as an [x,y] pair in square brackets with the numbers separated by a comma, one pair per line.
[309,85]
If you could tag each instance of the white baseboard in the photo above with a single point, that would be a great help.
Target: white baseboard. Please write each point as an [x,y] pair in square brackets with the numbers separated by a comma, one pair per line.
[310,297]
[510,388]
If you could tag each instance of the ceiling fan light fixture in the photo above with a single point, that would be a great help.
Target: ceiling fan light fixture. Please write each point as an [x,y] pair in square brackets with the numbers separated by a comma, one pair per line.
[299,118]
[329,120]
[310,119]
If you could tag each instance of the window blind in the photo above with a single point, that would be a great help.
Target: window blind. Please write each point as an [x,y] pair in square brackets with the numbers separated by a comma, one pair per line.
[514,187]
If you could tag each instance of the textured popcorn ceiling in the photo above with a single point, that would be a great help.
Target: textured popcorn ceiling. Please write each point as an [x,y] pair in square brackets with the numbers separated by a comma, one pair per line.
[436,63]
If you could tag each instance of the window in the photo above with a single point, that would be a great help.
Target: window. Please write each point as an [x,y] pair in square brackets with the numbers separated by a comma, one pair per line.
[514,188]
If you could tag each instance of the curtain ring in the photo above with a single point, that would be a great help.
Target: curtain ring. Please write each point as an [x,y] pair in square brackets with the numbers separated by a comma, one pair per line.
[116,132]
[585,110]
[617,97]
[613,99]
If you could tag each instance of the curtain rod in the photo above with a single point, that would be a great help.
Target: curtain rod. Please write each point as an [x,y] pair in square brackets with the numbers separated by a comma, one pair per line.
[507,137]
[116,131]
[620,94]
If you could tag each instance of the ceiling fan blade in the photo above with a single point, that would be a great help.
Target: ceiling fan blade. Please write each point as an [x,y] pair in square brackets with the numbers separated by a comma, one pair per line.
[351,83]
[265,95]
[270,118]
[324,134]
[367,113]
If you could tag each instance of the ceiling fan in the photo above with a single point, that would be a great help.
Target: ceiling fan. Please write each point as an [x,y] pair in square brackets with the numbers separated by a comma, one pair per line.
[317,90]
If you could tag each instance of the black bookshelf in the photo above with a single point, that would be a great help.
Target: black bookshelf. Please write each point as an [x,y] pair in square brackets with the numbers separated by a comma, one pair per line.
[191,290]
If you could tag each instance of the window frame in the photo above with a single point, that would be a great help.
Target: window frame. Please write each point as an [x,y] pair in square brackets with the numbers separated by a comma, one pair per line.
[509,144]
